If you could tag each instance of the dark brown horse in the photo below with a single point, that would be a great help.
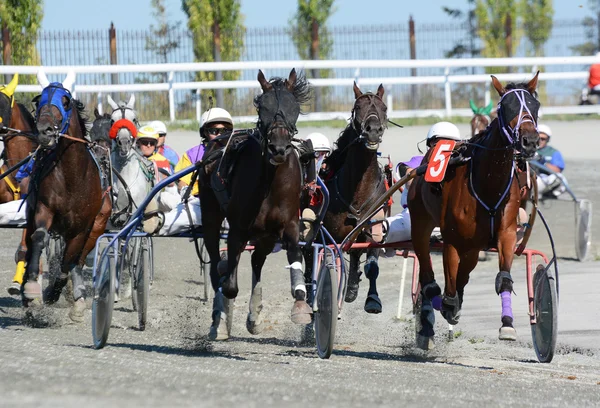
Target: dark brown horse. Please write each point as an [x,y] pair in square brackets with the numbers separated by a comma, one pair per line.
[66,197]
[357,180]
[476,208]
[16,147]
[264,199]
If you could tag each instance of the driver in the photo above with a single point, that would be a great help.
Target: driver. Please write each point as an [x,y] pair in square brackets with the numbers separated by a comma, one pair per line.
[550,184]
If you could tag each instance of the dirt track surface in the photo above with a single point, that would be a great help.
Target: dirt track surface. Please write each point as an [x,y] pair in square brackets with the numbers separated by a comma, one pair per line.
[49,361]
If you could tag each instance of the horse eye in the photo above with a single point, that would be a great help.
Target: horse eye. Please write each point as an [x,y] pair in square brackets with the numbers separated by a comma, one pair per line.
[66,103]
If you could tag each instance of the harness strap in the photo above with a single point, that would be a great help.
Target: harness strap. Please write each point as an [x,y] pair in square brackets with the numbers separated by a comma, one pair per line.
[15,189]
[356,212]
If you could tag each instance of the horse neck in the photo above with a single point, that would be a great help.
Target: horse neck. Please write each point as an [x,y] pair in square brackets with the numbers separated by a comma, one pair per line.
[18,147]
[492,167]
[360,165]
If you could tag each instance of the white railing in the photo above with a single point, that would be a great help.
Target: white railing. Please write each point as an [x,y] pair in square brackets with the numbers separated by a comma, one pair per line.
[356,65]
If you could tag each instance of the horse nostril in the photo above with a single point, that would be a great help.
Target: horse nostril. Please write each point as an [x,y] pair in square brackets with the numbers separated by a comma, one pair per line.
[49,130]
[368,128]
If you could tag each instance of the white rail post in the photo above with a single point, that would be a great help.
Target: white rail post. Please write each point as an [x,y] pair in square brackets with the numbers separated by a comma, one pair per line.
[448,94]
[488,96]
[100,110]
[198,106]
[171,97]
[389,102]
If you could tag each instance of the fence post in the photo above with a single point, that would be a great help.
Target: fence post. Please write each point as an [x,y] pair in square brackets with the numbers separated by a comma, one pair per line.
[100,109]
[413,56]
[508,39]
[448,93]
[112,40]
[389,102]
[6,50]
[198,106]
[171,97]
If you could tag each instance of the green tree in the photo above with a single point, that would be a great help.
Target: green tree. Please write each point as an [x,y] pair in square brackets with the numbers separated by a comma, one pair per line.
[163,38]
[217,28]
[592,31]
[311,36]
[464,49]
[496,18]
[22,19]
[537,23]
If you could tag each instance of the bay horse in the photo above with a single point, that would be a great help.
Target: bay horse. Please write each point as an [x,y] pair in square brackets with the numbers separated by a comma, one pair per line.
[66,197]
[17,146]
[476,208]
[357,180]
[481,117]
[264,203]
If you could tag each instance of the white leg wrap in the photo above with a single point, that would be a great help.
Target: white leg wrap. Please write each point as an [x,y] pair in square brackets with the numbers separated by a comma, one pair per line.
[300,287]
[295,265]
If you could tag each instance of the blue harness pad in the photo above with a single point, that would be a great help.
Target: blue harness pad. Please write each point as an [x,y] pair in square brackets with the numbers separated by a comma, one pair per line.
[53,95]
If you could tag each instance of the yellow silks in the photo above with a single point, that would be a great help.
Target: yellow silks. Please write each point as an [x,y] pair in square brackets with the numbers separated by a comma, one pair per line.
[9,90]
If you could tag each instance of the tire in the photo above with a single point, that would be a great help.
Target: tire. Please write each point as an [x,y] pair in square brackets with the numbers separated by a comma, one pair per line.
[104,298]
[583,229]
[545,306]
[327,308]
[141,280]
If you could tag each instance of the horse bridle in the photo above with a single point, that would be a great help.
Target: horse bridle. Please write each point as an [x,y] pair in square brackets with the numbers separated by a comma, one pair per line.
[372,111]
[281,123]
[512,134]
[65,113]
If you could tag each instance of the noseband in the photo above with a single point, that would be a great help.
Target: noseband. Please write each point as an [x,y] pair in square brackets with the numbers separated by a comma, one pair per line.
[52,95]
[279,121]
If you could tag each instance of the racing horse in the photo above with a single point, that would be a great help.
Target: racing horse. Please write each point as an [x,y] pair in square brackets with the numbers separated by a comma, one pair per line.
[66,195]
[264,199]
[481,117]
[476,208]
[17,146]
[356,182]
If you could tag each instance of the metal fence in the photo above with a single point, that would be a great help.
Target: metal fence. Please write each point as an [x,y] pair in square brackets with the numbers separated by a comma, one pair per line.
[432,41]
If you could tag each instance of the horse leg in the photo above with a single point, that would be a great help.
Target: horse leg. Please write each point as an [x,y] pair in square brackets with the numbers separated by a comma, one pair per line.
[254,321]
[353,277]
[373,303]
[450,302]
[36,241]
[73,261]
[301,311]
[308,270]
[504,285]
[15,287]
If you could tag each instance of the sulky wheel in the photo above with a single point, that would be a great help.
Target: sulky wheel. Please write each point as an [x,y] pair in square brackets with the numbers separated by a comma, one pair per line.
[583,229]
[326,313]
[545,305]
[104,297]
[141,279]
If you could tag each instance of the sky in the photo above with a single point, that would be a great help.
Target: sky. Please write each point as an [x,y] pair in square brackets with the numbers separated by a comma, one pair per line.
[137,14]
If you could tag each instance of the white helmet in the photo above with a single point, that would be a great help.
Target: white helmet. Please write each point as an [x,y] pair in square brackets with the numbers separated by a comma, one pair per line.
[443,130]
[320,142]
[159,126]
[545,129]
[215,115]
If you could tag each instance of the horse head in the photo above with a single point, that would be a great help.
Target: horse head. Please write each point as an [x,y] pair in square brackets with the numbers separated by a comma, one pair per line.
[123,110]
[518,114]
[123,132]
[369,116]
[54,108]
[481,117]
[7,101]
[278,110]
[99,132]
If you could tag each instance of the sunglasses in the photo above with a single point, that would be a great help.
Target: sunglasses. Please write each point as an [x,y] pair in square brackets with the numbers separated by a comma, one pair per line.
[216,131]
[147,142]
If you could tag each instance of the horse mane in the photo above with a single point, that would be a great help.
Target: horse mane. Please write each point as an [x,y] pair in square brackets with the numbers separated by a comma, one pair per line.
[302,90]
[336,159]
[27,116]
[82,116]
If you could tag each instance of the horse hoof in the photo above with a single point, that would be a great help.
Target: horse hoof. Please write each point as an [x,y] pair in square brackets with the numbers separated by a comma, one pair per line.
[254,326]
[351,293]
[14,289]
[507,333]
[76,312]
[218,330]
[229,293]
[450,318]
[373,304]
[32,290]
[425,343]
[301,312]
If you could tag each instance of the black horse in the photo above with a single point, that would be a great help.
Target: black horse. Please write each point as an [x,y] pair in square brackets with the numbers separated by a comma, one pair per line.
[264,189]
[66,196]
[355,181]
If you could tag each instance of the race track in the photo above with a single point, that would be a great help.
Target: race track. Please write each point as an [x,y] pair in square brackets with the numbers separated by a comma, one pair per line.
[49,361]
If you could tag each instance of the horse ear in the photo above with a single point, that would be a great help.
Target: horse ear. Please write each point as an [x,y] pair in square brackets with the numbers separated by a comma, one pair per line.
[532,85]
[131,101]
[499,88]
[112,103]
[291,81]
[380,91]
[264,84]
[474,107]
[9,89]
[96,113]
[69,81]
[488,109]
[357,91]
